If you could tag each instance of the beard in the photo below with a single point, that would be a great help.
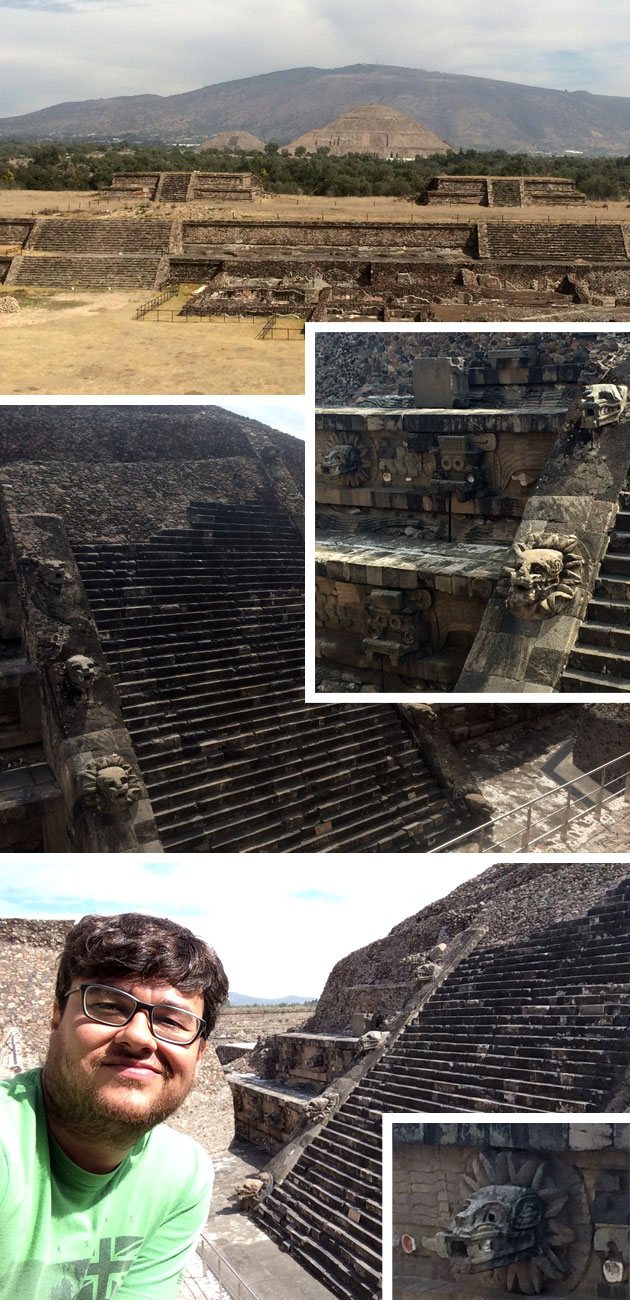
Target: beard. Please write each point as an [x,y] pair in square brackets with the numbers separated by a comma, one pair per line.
[74,1101]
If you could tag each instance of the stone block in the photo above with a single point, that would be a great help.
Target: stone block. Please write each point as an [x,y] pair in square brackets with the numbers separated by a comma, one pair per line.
[500,654]
[590,1137]
[386,598]
[545,667]
[621,1136]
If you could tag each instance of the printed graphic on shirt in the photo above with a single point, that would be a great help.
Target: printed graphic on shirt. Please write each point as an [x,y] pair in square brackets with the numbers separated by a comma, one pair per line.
[98,1278]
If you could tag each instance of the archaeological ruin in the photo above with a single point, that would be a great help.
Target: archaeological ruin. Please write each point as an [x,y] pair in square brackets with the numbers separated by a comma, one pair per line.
[186,187]
[326,269]
[504,191]
[512,994]
[472,512]
[509,995]
[372,129]
[152,667]
[516,1208]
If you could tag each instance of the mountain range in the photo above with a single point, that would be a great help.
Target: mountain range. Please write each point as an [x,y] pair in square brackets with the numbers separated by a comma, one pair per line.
[468,112]
[246,1000]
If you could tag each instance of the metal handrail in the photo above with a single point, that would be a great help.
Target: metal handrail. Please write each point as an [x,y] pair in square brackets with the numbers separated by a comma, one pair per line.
[484,829]
[225,1274]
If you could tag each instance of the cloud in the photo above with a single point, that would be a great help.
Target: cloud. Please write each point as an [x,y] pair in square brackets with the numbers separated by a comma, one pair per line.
[63,6]
[59,50]
[272,921]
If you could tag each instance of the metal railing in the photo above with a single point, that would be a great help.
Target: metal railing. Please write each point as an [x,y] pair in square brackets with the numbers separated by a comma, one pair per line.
[549,814]
[170,292]
[267,327]
[227,1277]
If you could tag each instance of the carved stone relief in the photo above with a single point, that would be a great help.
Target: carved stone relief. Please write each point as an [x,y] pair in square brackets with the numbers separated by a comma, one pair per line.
[603,404]
[323,1107]
[520,1222]
[396,627]
[82,673]
[111,784]
[351,461]
[546,576]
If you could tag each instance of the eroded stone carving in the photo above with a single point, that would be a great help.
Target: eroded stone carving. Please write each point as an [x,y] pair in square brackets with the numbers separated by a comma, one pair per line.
[496,1226]
[603,404]
[253,1190]
[373,1038]
[341,460]
[351,460]
[546,576]
[82,673]
[111,784]
[53,573]
[323,1107]
[519,1223]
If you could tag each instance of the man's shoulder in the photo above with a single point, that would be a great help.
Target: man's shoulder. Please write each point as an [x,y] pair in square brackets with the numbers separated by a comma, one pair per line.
[22,1090]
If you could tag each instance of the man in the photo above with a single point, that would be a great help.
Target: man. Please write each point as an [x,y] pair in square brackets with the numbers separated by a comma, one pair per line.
[97,1198]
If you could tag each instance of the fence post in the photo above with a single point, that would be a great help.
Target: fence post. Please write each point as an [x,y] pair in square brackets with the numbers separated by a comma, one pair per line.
[600,795]
[565,818]
[526,832]
[626,788]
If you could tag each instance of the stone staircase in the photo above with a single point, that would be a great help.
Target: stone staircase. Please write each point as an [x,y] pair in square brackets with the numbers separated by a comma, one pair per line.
[600,660]
[60,271]
[173,187]
[536,1026]
[202,629]
[562,241]
[100,235]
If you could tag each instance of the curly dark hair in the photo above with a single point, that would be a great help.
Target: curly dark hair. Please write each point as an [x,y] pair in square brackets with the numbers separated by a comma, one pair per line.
[146,947]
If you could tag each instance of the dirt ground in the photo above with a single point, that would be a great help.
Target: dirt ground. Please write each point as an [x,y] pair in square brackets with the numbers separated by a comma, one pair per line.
[286,207]
[64,344]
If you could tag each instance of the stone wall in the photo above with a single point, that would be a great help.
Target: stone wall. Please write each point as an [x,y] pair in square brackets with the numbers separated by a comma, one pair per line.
[29,953]
[351,367]
[445,236]
[585,1163]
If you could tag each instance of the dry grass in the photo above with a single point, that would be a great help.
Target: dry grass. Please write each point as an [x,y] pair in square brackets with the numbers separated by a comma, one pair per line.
[288,207]
[95,346]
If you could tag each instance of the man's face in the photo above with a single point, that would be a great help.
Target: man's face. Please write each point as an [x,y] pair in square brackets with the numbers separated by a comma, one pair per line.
[117,1082]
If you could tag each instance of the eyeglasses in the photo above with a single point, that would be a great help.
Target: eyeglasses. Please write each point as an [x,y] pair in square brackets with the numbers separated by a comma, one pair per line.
[111,1006]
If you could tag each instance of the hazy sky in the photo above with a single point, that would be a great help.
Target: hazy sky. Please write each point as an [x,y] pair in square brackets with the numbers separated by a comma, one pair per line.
[56,50]
[285,413]
[278,926]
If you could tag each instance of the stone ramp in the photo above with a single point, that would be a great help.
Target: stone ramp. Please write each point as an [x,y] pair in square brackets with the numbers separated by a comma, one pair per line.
[600,660]
[202,629]
[536,1026]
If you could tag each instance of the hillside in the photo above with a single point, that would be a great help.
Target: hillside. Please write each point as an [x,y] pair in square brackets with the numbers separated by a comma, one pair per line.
[469,112]
[510,900]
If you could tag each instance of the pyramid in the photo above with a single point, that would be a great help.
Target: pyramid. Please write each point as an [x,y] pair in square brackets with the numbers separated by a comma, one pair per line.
[375,129]
[235,142]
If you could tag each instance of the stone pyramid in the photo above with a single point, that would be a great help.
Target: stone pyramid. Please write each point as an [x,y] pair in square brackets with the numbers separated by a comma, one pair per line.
[236,141]
[375,129]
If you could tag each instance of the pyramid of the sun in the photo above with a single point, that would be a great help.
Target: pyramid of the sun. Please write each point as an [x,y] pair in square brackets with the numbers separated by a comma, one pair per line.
[372,128]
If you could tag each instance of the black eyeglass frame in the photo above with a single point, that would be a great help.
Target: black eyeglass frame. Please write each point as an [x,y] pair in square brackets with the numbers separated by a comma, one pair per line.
[149,1007]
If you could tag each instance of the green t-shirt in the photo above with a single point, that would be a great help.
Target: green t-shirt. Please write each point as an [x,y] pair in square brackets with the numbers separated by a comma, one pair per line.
[66,1234]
